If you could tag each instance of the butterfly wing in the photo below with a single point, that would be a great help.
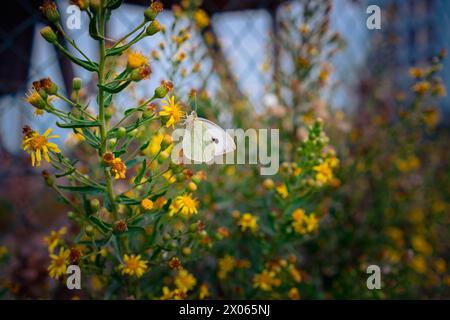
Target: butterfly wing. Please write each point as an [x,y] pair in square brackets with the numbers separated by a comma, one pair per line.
[197,142]
[222,141]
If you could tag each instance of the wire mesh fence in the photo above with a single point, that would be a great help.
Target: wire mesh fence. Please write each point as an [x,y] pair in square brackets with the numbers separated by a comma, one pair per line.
[245,33]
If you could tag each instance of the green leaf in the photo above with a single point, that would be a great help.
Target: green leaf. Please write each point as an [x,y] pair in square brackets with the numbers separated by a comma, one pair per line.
[108,99]
[128,111]
[67,173]
[93,28]
[82,189]
[141,172]
[78,124]
[101,225]
[118,50]
[90,66]
[125,200]
[113,4]
[132,162]
[91,138]
[115,242]
[114,88]
[134,229]
[144,146]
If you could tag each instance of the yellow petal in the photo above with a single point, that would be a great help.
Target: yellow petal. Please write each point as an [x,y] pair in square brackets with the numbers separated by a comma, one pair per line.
[38,156]
[47,158]
[47,132]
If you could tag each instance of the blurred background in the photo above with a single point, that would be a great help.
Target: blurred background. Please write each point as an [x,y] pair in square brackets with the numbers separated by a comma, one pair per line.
[412,33]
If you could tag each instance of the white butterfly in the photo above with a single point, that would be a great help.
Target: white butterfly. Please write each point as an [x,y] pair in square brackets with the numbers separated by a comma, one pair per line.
[203,139]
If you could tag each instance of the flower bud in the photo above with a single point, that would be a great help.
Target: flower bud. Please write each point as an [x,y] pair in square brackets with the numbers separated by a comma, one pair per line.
[50,11]
[48,34]
[166,141]
[36,100]
[153,28]
[121,132]
[89,230]
[112,143]
[45,87]
[109,113]
[82,4]
[172,245]
[120,226]
[76,84]
[268,184]
[196,179]
[166,237]
[132,133]
[71,215]
[163,89]
[47,178]
[95,5]
[180,177]
[176,168]
[141,73]
[151,12]
[187,251]
[192,186]
[108,158]
[95,205]
[163,156]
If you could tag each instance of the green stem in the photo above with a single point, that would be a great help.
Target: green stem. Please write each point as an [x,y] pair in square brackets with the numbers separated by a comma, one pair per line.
[129,34]
[101,113]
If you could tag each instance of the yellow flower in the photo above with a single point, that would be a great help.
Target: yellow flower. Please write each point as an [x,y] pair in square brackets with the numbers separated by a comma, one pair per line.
[38,145]
[303,223]
[421,245]
[294,294]
[439,89]
[431,117]
[204,291]
[416,72]
[201,18]
[268,184]
[136,60]
[147,204]
[3,251]
[295,274]
[226,265]
[441,265]
[282,191]
[58,265]
[118,169]
[35,99]
[311,223]
[133,265]
[185,281]
[298,215]
[55,238]
[170,177]
[184,204]
[171,109]
[323,172]
[419,264]
[248,221]
[265,280]
[155,143]
[421,87]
